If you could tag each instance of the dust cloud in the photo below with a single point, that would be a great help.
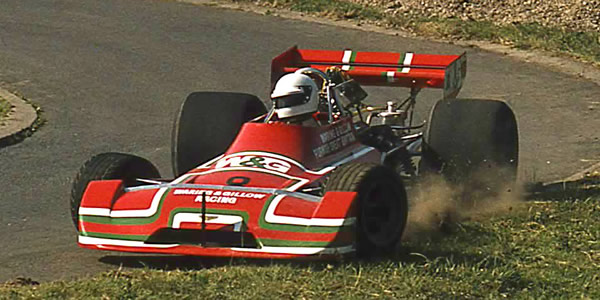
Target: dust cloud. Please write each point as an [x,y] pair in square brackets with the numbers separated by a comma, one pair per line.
[436,204]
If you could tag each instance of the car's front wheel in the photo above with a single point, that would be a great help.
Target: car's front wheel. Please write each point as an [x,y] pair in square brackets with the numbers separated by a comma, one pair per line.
[382,205]
[107,166]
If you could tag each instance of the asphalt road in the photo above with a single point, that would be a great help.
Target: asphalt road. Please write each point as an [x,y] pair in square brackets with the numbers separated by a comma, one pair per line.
[111,74]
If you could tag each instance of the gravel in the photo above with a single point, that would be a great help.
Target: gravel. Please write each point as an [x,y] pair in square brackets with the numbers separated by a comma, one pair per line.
[575,15]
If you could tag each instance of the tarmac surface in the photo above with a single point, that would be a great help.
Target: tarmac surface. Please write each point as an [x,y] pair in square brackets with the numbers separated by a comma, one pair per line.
[111,74]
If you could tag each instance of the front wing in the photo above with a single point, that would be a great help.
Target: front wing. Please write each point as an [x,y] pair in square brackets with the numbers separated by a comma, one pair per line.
[183,219]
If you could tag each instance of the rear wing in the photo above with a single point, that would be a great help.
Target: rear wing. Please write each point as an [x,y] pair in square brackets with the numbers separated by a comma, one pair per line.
[380,68]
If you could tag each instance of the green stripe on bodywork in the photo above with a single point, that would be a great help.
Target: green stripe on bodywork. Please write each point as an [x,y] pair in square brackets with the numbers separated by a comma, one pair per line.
[401,62]
[295,228]
[126,220]
[125,237]
[352,59]
[136,221]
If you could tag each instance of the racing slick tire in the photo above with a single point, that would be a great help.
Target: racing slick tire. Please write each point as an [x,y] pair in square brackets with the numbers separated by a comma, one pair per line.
[472,142]
[382,205]
[107,166]
[207,123]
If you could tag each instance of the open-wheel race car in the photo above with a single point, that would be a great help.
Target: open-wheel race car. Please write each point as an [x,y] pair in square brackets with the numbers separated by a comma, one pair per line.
[320,174]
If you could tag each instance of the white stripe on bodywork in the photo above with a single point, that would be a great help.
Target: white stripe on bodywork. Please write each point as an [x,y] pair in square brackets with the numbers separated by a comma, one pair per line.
[353,156]
[157,197]
[252,169]
[87,240]
[101,243]
[272,155]
[407,61]
[269,217]
[346,60]
[347,56]
[325,170]
[141,213]
[211,219]
[94,211]
[391,76]
[299,250]
[150,211]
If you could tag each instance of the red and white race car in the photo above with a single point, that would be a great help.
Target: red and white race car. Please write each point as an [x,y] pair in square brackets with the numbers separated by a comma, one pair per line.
[251,184]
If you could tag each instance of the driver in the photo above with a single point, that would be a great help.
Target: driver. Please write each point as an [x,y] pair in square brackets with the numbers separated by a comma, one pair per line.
[296,98]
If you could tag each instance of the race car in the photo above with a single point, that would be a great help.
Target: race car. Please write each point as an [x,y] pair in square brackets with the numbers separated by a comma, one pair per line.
[320,174]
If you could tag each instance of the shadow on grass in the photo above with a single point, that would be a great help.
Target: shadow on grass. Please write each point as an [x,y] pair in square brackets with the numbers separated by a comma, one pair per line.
[443,244]
[583,188]
[190,263]
[417,252]
[450,242]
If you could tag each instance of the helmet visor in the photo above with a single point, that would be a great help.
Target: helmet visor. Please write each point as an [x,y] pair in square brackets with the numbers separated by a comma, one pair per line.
[293,99]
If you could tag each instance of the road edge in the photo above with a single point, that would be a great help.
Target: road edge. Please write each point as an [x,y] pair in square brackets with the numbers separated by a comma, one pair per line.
[21,121]
[556,62]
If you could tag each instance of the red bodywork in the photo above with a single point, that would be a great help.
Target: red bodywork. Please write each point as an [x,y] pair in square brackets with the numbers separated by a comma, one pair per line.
[255,195]
[381,68]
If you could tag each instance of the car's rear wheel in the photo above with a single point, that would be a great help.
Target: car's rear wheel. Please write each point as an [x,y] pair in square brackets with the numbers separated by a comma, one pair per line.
[382,205]
[106,166]
[473,142]
[206,125]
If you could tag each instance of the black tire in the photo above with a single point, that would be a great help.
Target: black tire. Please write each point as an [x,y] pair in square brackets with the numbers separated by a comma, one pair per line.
[382,205]
[468,136]
[106,166]
[206,125]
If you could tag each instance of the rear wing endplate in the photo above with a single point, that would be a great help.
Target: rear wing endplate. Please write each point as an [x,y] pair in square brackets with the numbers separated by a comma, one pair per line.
[410,70]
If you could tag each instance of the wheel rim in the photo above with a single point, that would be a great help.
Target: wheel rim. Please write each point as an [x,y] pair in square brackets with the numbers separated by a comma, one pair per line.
[380,215]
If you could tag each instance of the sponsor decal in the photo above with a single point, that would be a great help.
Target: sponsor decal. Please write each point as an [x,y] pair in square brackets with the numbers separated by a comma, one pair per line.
[217,199]
[335,132]
[334,139]
[222,197]
[254,161]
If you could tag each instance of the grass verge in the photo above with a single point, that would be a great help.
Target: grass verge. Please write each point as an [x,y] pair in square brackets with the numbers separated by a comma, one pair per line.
[4,109]
[549,249]
[581,45]
[27,132]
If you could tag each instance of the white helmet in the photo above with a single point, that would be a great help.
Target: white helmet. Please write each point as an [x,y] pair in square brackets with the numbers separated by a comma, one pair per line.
[295,94]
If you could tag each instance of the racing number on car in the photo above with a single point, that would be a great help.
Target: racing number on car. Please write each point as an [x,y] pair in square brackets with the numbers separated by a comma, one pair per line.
[238,181]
